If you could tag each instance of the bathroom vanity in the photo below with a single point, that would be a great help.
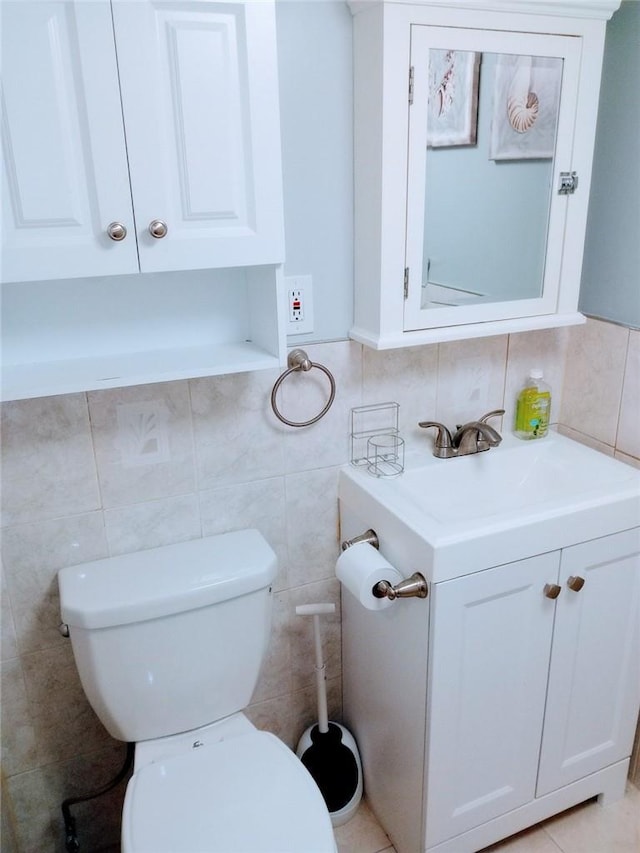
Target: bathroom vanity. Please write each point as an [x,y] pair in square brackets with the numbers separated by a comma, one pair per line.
[512,692]
[474,133]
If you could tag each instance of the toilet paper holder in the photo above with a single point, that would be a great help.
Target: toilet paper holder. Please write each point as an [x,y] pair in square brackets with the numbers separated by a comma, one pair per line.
[412,587]
[369,536]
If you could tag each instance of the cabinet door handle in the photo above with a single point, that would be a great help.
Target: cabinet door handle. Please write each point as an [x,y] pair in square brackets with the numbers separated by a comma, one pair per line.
[575,583]
[552,590]
[158,228]
[116,231]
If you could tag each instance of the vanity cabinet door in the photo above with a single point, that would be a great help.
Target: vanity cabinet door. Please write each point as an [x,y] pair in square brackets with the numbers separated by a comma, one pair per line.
[594,681]
[64,175]
[489,658]
[200,104]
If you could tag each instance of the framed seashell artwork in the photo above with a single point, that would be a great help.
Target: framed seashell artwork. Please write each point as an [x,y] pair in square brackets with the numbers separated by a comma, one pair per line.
[452,114]
[526,99]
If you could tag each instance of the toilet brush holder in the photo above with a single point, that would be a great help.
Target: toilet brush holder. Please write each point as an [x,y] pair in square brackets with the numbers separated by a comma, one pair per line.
[327,749]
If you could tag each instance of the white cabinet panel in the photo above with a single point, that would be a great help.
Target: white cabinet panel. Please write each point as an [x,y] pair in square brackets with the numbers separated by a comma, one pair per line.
[200,98]
[594,682]
[489,658]
[64,176]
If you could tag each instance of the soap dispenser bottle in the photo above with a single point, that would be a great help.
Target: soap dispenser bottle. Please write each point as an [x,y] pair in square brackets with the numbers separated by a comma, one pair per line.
[533,407]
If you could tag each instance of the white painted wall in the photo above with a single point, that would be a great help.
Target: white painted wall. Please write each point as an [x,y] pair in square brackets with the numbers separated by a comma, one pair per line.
[611,272]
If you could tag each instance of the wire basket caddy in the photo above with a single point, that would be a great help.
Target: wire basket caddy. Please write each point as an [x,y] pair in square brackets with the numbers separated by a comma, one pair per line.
[375,439]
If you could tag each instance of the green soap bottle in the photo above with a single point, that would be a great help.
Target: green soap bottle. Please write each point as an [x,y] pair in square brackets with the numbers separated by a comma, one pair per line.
[533,407]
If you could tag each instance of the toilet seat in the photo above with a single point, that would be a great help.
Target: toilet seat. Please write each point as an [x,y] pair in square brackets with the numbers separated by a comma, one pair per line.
[246,794]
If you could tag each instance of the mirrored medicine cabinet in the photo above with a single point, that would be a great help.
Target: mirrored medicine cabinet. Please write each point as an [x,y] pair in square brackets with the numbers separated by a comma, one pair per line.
[474,133]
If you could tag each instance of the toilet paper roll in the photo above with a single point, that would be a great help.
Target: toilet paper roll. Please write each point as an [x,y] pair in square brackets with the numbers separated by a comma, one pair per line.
[359,568]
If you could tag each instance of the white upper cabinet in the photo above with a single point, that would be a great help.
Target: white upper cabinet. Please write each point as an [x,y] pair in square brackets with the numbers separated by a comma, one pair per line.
[474,134]
[159,151]
[139,137]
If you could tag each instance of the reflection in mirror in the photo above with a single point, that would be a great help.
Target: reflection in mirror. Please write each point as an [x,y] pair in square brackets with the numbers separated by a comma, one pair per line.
[491,134]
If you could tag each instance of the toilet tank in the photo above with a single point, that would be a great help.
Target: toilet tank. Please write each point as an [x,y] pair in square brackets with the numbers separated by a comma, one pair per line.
[172,638]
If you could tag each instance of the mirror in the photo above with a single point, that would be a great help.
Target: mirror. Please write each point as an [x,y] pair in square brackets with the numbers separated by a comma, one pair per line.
[491,136]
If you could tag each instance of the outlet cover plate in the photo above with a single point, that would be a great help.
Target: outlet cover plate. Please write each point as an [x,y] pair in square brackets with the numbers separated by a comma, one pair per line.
[302,284]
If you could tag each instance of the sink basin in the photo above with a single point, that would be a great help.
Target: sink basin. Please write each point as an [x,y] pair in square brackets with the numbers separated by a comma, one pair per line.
[507,503]
[515,478]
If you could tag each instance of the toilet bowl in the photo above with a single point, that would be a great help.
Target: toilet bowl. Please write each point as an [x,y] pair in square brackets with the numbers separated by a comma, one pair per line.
[225,788]
[168,643]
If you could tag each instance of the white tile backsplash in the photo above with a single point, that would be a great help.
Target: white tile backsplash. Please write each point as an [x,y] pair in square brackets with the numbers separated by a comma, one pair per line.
[593,379]
[143,442]
[8,640]
[32,555]
[19,751]
[224,462]
[304,394]
[237,437]
[407,377]
[628,438]
[260,504]
[48,466]
[471,379]
[545,349]
[312,525]
[152,523]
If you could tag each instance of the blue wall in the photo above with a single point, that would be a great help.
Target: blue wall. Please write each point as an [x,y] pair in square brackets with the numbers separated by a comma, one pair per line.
[611,272]
[316,118]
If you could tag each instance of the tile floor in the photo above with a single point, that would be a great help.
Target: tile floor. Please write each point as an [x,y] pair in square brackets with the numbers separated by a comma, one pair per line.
[587,828]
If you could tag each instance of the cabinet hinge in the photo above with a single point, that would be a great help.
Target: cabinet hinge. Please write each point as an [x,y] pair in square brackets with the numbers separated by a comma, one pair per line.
[568,183]
[406,282]
[410,85]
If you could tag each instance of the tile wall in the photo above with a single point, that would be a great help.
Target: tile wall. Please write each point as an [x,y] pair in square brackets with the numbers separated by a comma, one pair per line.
[103,473]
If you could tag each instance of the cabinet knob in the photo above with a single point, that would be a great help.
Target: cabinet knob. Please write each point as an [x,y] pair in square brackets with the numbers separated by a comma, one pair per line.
[552,590]
[575,583]
[158,228]
[116,231]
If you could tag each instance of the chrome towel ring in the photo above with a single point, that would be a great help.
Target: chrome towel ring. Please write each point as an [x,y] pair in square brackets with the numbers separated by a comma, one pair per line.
[298,360]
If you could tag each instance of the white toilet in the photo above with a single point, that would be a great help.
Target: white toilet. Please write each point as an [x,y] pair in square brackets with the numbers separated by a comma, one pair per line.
[169,643]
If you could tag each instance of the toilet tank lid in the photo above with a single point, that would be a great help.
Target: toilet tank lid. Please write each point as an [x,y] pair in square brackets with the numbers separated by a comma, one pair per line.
[166,580]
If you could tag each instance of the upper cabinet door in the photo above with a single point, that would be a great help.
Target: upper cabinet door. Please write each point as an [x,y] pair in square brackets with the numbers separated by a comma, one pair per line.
[64,174]
[200,103]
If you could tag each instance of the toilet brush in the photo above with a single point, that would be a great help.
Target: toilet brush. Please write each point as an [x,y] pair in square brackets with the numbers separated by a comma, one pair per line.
[327,749]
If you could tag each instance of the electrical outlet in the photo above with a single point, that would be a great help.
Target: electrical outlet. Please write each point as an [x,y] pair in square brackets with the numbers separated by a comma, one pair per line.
[296,306]
[299,290]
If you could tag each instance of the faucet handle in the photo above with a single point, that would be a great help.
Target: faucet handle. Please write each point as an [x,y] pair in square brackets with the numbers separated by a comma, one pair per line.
[483,444]
[494,414]
[443,447]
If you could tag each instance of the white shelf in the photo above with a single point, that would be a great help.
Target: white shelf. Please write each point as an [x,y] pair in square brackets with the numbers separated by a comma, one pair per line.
[471,330]
[89,334]
[24,381]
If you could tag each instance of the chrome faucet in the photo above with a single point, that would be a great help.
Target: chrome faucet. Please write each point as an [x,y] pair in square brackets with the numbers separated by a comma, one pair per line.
[473,437]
